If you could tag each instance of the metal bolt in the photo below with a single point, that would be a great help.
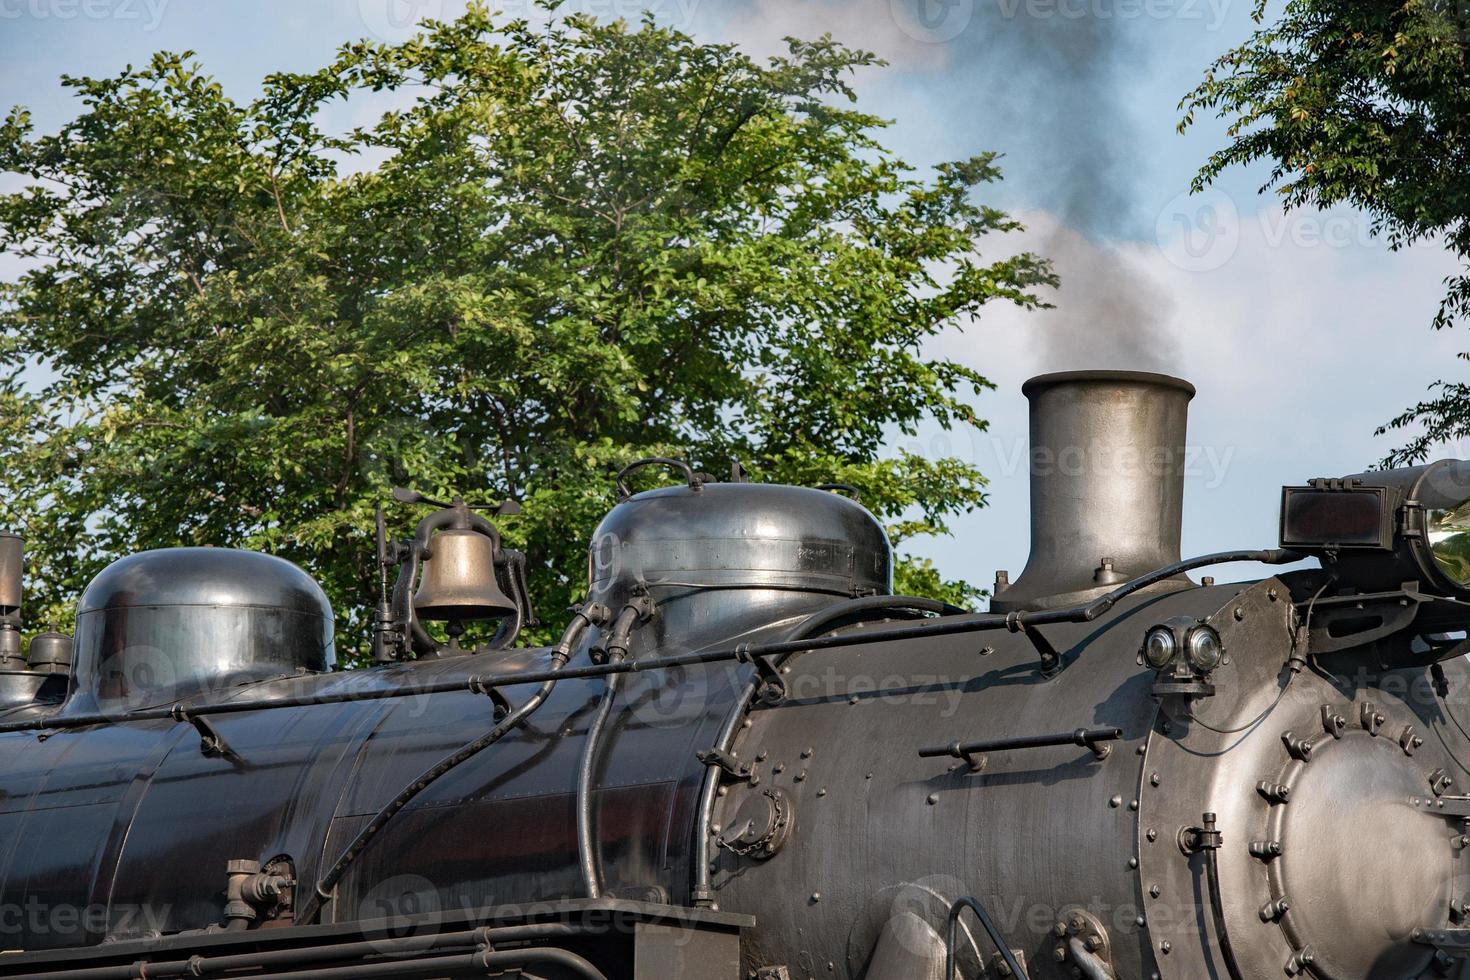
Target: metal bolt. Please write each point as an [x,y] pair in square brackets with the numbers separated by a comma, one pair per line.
[1059,954]
[1154,891]
[1115,802]
[816,896]
[1299,748]
[1275,909]
[1093,943]
[1153,779]
[1275,792]
[1165,947]
[822,791]
[1133,804]
[933,798]
[1265,849]
[806,753]
[1239,614]
[1133,862]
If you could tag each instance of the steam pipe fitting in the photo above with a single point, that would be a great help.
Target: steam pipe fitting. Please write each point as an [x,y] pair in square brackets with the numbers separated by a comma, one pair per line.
[1092,967]
[248,892]
[638,611]
[1210,841]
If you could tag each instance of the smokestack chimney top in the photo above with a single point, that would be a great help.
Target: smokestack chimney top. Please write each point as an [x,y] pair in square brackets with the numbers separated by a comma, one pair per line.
[1041,381]
[1107,483]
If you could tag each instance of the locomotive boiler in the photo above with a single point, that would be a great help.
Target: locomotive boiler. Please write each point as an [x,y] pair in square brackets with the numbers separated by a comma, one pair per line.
[746,759]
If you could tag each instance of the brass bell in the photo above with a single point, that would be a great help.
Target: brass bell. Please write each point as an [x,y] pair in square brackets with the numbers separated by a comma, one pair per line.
[459,579]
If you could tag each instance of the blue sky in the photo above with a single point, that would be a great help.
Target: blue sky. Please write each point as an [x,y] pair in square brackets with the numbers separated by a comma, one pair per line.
[1300,330]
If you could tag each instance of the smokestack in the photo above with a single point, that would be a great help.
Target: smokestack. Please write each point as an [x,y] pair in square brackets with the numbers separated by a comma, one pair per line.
[1107,483]
[12,571]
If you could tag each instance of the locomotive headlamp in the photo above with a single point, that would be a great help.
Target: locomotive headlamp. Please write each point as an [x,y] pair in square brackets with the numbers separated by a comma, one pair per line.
[1380,530]
[1202,644]
[1448,531]
[1184,651]
[1159,647]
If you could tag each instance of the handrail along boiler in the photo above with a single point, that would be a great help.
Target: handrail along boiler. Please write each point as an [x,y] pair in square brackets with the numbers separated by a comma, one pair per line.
[746,759]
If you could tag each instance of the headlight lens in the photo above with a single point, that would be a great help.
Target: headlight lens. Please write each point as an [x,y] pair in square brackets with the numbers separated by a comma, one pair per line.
[1203,645]
[1159,647]
[1449,541]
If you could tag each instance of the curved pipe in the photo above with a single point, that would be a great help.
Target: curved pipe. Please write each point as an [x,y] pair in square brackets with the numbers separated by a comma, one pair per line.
[952,937]
[484,961]
[400,947]
[1085,960]
[327,882]
[815,623]
[617,651]
[1217,908]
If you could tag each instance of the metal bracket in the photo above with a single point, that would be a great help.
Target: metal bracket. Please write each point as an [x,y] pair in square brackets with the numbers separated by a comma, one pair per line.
[211,742]
[1455,942]
[772,688]
[1051,659]
[728,764]
[1093,739]
[483,685]
[1009,960]
[1189,689]
[1451,807]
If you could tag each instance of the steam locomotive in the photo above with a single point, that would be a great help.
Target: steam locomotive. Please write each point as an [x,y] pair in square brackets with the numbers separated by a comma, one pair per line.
[746,759]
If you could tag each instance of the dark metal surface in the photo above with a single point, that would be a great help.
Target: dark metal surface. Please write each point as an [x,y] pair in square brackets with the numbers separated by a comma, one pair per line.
[182,622]
[741,536]
[50,653]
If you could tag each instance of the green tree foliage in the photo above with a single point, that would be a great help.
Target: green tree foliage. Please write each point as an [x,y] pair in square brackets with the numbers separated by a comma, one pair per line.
[560,249]
[1363,102]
